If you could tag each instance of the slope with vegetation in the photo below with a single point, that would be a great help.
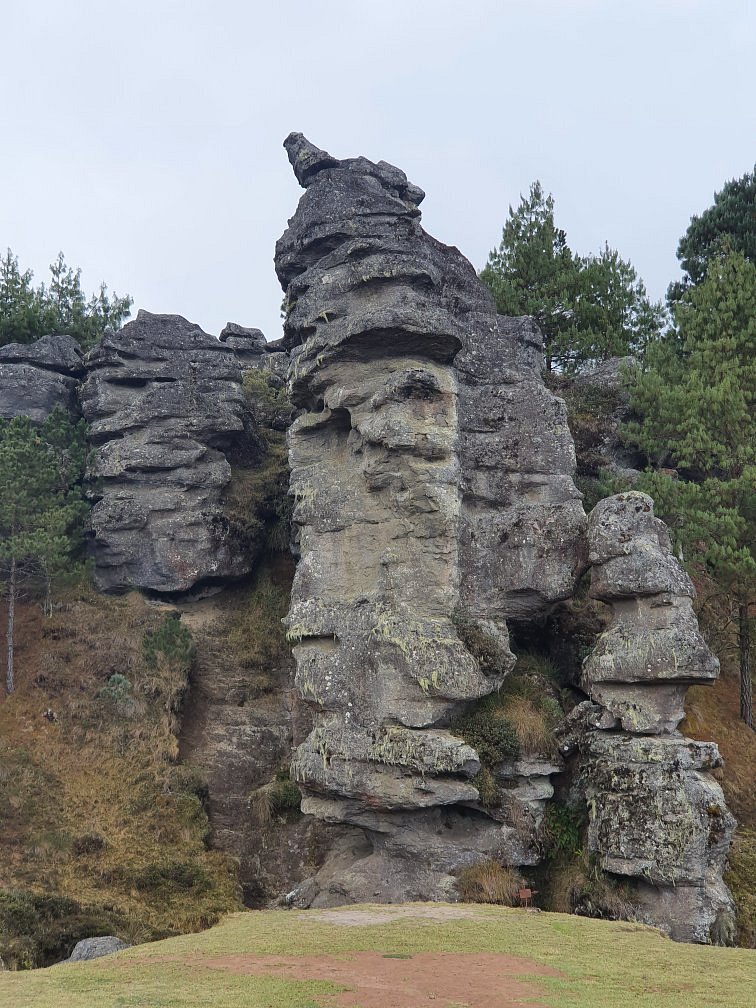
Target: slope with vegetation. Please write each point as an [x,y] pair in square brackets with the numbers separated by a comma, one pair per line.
[102,830]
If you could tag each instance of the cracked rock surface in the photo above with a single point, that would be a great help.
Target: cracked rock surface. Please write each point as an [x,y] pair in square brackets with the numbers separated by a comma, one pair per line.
[165,408]
[657,816]
[432,476]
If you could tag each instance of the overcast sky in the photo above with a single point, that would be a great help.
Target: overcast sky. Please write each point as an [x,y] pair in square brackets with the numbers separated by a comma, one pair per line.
[143,138]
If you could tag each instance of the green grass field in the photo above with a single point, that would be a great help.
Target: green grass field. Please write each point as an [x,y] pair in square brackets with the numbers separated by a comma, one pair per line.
[600,964]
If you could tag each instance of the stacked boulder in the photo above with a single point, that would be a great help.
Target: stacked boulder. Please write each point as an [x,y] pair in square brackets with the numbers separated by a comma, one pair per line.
[166,411]
[657,816]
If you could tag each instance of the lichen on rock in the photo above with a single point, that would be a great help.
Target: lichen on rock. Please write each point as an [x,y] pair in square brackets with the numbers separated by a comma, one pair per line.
[657,815]
[431,474]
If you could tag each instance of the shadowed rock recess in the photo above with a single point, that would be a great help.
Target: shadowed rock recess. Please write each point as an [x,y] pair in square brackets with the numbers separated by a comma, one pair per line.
[432,473]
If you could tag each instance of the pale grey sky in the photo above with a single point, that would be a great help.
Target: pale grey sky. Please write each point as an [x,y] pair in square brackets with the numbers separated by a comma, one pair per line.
[143,138]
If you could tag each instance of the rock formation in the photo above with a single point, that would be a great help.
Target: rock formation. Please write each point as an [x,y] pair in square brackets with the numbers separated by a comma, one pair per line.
[435,513]
[432,473]
[657,815]
[166,411]
[37,377]
[433,499]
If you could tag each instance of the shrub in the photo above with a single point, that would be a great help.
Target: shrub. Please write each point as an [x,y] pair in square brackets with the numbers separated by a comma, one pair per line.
[488,730]
[38,930]
[579,886]
[168,654]
[177,876]
[284,794]
[275,799]
[489,882]
[116,690]
[561,831]
[488,790]
[741,878]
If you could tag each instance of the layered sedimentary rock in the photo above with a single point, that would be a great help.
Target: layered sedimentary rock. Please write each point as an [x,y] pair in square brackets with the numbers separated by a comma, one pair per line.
[651,651]
[415,539]
[522,538]
[37,377]
[166,409]
[657,816]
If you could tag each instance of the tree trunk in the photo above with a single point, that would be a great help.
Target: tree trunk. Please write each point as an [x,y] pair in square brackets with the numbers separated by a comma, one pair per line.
[744,643]
[9,681]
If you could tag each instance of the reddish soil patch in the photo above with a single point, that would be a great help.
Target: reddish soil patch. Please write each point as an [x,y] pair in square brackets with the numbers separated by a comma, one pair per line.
[436,979]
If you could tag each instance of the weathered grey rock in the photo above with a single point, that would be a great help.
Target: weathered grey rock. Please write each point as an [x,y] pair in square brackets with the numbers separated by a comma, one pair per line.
[608,382]
[528,782]
[166,410]
[523,524]
[630,551]
[59,353]
[656,815]
[431,472]
[95,948]
[652,649]
[248,344]
[37,377]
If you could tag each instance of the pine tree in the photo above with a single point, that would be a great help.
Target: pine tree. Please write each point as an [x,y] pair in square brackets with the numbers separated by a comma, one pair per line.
[728,225]
[697,399]
[588,308]
[26,312]
[40,507]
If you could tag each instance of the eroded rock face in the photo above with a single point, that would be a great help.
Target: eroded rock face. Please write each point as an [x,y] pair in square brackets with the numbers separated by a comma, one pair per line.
[37,377]
[165,408]
[656,815]
[433,498]
[522,539]
[652,650]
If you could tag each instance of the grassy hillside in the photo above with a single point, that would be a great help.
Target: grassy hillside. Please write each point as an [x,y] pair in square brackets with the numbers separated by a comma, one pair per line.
[443,955]
[101,830]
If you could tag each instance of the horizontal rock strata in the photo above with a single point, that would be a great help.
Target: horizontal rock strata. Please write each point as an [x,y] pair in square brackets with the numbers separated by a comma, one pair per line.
[416,541]
[37,377]
[165,408]
[656,815]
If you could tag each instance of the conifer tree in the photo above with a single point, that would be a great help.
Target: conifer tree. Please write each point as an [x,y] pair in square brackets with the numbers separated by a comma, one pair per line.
[728,225]
[588,308]
[696,396]
[40,507]
[28,312]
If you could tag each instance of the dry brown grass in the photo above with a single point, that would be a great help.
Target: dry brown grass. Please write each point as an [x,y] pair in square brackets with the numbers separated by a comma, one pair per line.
[260,806]
[490,882]
[531,723]
[92,804]
[576,885]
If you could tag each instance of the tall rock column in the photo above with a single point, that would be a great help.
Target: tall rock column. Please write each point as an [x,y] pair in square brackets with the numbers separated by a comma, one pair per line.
[377,311]
[657,817]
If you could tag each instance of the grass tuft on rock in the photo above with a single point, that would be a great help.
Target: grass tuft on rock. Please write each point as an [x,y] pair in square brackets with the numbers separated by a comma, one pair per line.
[490,882]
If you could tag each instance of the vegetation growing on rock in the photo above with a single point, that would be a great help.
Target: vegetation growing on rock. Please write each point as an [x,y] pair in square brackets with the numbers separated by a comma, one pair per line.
[28,312]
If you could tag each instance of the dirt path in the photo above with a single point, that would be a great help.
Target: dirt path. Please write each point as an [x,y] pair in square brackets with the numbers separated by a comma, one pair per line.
[433,979]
